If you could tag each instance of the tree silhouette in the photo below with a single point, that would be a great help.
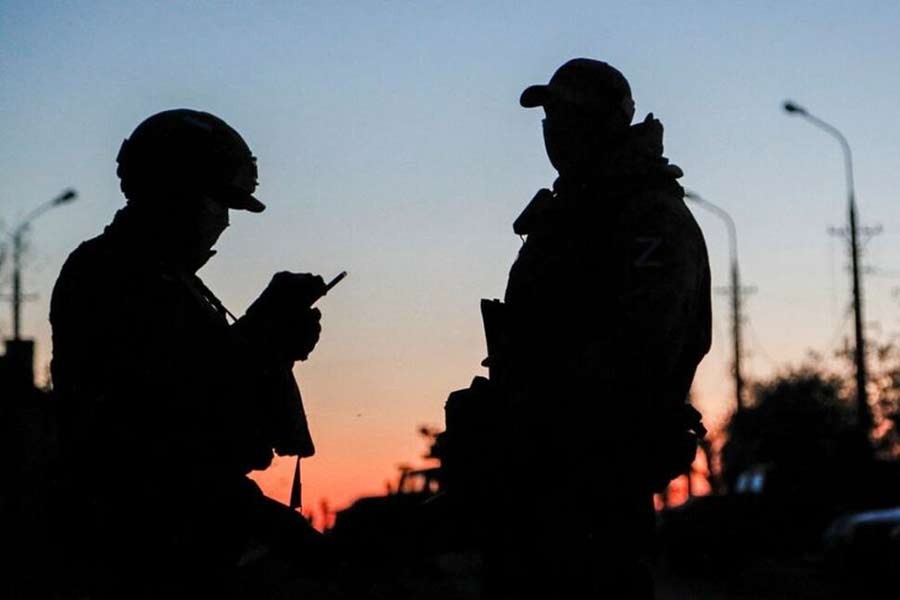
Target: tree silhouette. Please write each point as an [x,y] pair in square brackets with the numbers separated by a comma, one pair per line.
[800,424]
[884,391]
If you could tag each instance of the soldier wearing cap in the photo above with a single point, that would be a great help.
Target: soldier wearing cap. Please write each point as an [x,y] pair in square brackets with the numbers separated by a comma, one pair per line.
[608,312]
[165,406]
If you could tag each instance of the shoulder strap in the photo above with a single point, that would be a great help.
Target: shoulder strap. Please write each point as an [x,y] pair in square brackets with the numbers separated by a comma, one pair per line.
[205,295]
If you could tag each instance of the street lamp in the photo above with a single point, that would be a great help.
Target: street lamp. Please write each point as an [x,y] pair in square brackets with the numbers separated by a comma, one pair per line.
[862,404]
[17,242]
[735,292]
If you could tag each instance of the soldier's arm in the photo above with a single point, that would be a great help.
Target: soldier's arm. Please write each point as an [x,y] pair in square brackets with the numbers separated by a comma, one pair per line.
[267,386]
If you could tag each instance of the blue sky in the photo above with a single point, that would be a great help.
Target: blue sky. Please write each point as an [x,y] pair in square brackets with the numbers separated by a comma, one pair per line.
[391,144]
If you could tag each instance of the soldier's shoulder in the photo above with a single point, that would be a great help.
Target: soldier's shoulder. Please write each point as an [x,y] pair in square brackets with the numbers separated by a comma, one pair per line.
[92,263]
[89,255]
[666,207]
[76,281]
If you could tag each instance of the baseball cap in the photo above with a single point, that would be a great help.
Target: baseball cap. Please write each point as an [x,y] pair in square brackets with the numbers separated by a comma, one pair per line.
[586,83]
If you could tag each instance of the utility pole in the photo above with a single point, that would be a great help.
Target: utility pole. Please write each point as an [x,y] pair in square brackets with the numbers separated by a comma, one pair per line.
[864,415]
[17,284]
[18,236]
[735,291]
[863,412]
[852,234]
[736,332]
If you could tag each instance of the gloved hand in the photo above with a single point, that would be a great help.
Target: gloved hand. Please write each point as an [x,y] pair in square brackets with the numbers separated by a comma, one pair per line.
[302,334]
[290,291]
[282,318]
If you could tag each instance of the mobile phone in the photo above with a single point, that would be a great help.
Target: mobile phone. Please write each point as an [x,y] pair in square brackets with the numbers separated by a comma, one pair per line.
[330,285]
[335,281]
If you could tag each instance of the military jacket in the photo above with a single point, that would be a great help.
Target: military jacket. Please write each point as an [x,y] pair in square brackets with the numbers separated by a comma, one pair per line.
[609,298]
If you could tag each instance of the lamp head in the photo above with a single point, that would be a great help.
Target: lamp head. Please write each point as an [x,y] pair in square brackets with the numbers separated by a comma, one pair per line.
[792,107]
[67,196]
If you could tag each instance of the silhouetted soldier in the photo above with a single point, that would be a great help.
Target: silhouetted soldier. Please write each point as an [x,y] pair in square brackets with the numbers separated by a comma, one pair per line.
[607,314]
[165,405]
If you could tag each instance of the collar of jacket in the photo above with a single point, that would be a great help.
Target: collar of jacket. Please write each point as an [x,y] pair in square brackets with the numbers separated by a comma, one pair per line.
[136,240]
[636,163]
[139,233]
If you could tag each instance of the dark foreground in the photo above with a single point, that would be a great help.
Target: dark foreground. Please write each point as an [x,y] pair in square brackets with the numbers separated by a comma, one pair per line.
[457,576]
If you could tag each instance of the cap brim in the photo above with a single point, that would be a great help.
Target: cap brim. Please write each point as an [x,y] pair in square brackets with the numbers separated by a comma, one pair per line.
[535,95]
[240,200]
[249,203]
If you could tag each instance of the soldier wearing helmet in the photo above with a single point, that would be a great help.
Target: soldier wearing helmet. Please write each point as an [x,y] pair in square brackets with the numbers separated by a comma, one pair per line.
[607,311]
[165,405]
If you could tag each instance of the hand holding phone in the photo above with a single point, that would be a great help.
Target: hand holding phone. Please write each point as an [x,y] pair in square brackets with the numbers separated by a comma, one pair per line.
[333,283]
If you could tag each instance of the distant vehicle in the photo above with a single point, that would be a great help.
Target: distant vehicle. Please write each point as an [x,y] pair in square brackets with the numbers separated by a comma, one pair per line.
[390,522]
[769,512]
[864,543]
[423,482]
[851,527]
[753,480]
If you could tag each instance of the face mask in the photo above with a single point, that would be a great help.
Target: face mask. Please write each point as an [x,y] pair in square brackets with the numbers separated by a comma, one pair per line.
[570,148]
[211,220]
[576,142]
[197,231]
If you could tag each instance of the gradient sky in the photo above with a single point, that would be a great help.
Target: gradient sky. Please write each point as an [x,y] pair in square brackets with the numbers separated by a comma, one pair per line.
[391,144]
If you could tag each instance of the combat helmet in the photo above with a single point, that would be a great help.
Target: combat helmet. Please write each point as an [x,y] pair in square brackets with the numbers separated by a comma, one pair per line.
[188,150]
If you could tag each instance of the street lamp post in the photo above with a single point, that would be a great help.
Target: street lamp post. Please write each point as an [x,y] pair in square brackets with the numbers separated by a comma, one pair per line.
[864,415]
[17,248]
[735,293]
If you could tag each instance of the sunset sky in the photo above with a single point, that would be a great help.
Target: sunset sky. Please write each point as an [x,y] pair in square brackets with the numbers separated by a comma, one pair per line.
[391,145]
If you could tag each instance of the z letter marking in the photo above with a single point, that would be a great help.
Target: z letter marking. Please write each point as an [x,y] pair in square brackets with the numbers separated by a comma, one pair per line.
[649,246]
